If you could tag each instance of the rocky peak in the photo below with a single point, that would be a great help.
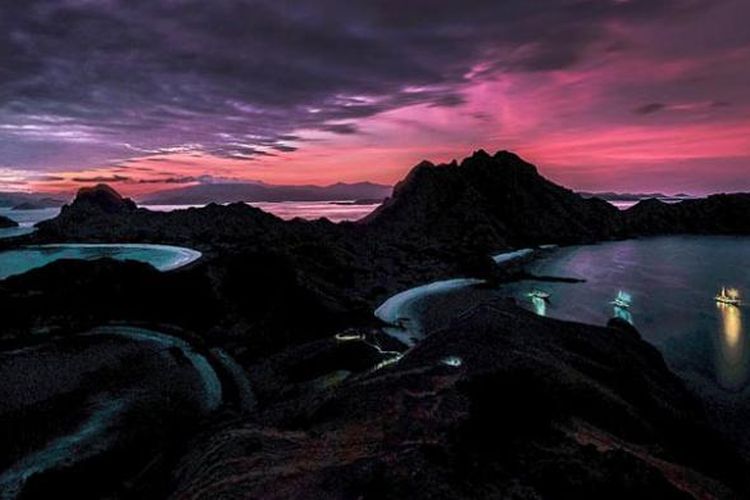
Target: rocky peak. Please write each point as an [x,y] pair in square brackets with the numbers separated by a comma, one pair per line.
[510,162]
[102,198]
[498,200]
[92,211]
[509,158]
[424,164]
[480,154]
[6,222]
[648,203]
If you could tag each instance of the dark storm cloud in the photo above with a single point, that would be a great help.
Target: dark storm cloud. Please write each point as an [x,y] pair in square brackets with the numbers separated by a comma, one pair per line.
[234,78]
[102,178]
[656,107]
[340,128]
[720,104]
[170,180]
[648,109]
[48,178]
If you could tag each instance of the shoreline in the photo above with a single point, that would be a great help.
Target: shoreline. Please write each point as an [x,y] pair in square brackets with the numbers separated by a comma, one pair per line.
[97,431]
[179,257]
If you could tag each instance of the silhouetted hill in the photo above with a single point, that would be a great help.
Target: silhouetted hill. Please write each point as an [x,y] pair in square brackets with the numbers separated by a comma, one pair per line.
[6,222]
[484,204]
[100,198]
[612,196]
[717,214]
[36,204]
[13,199]
[492,201]
[100,214]
[440,220]
[535,408]
[249,192]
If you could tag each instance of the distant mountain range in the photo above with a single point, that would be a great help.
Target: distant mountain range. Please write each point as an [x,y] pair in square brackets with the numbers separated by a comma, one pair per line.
[612,196]
[484,204]
[257,191]
[249,192]
[29,201]
[579,405]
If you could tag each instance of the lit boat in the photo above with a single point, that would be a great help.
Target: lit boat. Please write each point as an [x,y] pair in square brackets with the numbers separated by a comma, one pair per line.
[623,300]
[538,294]
[453,361]
[729,296]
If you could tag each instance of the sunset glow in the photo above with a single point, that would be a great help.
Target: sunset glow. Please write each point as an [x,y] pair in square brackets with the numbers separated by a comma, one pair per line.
[633,96]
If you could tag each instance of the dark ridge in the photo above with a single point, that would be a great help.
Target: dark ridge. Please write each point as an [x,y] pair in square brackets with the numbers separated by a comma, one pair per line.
[6,222]
[488,201]
[101,198]
[537,408]
[717,214]
[261,192]
[36,204]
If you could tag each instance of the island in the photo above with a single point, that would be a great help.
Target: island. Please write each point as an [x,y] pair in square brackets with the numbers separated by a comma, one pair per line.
[318,400]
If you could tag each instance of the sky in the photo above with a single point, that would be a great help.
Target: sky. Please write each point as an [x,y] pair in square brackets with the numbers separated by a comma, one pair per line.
[603,95]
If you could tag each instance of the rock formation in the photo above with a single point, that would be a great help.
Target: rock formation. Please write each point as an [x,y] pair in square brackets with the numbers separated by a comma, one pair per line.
[6,222]
[499,403]
[532,408]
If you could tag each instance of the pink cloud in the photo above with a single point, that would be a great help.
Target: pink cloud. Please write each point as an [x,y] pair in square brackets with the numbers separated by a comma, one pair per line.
[580,125]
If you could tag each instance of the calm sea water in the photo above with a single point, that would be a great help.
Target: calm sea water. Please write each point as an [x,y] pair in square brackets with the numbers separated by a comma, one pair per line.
[672,282]
[25,219]
[335,211]
[170,381]
[162,257]
[625,204]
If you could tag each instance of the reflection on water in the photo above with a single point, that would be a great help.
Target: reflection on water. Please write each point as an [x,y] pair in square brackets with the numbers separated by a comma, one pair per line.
[666,286]
[27,218]
[732,354]
[540,306]
[622,304]
[162,257]
[624,314]
[732,324]
[12,232]
[335,211]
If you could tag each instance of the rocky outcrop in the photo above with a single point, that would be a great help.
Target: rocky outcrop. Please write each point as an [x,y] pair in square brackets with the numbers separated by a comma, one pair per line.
[239,302]
[489,202]
[717,214]
[441,222]
[502,404]
[38,204]
[202,194]
[485,204]
[495,202]
[119,220]
[100,198]
[93,209]
[6,222]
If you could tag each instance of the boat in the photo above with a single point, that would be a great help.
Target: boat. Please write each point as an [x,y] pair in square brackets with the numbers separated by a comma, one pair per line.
[623,300]
[538,294]
[453,361]
[729,296]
